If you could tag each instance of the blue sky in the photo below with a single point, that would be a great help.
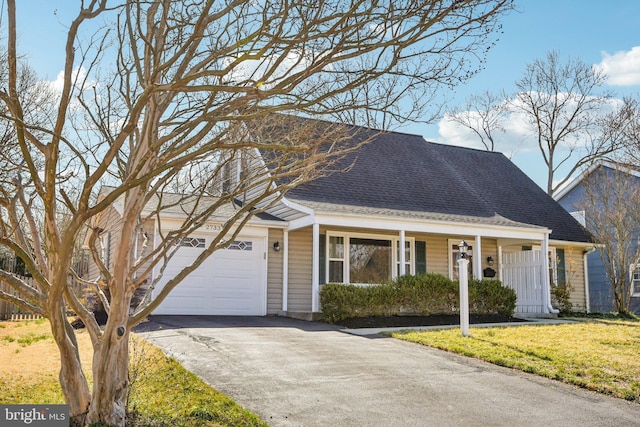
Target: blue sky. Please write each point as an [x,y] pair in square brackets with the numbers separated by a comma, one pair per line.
[592,30]
[587,29]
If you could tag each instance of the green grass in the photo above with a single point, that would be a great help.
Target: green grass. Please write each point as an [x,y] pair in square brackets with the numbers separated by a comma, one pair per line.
[23,335]
[163,393]
[599,355]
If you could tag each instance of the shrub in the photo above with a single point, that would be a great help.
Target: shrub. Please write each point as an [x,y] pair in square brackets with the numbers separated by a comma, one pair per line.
[491,297]
[424,294]
[560,297]
[427,294]
[340,301]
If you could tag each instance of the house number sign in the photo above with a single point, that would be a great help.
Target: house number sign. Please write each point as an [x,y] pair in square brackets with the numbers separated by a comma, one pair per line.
[213,227]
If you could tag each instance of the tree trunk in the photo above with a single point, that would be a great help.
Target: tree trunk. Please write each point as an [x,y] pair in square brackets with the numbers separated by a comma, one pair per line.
[111,369]
[72,380]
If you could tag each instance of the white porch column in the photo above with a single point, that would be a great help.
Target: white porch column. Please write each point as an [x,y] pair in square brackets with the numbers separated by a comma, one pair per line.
[402,261]
[463,272]
[477,255]
[546,285]
[315,269]
[499,261]
[285,270]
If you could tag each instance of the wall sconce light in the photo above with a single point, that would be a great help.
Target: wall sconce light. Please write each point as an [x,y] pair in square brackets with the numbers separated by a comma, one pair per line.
[462,248]
[276,246]
[490,260]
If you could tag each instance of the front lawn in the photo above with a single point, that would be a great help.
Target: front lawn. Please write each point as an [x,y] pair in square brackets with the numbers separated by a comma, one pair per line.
[163,392]
[599,355]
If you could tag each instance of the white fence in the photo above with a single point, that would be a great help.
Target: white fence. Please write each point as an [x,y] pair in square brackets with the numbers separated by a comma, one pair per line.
[524,273]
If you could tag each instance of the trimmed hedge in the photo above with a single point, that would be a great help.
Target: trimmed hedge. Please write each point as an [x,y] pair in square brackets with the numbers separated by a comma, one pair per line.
[424,294]
[491,297]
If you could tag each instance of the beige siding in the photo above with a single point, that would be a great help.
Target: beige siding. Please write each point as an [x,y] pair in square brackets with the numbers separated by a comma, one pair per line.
[489,249]
[110,222]
[437,253]
[300,247]
[274,273]
[574,271]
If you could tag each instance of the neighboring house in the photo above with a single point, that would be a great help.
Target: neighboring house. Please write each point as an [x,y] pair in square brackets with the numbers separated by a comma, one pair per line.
[348,227]
[572,198]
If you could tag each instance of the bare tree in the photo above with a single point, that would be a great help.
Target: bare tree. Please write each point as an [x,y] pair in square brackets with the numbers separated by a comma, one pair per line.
[625,125]
[562,103]
[612,205]
[485,115]
[161,100]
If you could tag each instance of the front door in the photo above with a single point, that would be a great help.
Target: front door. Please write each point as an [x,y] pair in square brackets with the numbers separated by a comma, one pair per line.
[453,261]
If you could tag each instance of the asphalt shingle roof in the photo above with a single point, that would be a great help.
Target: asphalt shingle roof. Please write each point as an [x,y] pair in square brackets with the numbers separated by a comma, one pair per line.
[403,172]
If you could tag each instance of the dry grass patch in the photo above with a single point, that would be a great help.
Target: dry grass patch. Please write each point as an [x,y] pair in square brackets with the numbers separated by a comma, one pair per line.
[31,362]
[163,393]
[598,355]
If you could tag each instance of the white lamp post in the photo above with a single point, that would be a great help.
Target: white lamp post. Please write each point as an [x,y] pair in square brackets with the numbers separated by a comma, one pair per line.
[463,277]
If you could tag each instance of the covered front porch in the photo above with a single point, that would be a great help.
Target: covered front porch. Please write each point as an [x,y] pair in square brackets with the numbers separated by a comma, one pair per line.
[366,250]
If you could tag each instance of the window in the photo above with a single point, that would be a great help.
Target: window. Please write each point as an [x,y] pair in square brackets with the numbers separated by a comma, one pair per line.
[192,242]
[407,258]
[105,255]
[241,245]
[336,259]
[366,259]
[557,274]
[635,281]
[369,260]
[455,256]
[226,178]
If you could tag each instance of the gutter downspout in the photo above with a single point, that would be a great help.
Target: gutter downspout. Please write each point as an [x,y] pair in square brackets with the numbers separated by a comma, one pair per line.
[587,297]
[545,275]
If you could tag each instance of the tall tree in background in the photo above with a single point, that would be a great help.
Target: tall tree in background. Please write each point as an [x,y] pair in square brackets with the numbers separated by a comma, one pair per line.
[562,103]
[626,126]
[563,106]
[163,96]
[485,115]
[612,214]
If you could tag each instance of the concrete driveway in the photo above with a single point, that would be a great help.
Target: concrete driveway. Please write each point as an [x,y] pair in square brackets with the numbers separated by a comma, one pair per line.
[297,373]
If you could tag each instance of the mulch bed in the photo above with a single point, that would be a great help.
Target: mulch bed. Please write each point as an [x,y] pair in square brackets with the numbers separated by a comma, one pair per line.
[410,321]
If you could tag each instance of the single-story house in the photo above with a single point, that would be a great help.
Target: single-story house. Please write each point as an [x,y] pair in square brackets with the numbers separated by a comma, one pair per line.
[574,199]
[401,207]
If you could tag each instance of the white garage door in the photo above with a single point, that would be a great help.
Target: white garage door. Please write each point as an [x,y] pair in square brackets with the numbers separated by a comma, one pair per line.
[229,282]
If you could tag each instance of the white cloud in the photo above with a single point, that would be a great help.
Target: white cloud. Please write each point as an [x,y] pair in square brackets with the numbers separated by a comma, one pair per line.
[517,136]
[79,75]
[622,68]
[254,71]
[388,32]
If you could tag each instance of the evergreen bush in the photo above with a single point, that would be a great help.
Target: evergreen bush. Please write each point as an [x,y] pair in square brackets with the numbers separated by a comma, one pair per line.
[423,294]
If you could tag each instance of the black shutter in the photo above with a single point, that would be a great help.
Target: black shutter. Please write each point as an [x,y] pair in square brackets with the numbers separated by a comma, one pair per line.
[421,257]
[562,278]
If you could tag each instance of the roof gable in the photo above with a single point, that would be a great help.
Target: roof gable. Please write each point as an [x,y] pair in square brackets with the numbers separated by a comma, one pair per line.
[631,170]
[404,172]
